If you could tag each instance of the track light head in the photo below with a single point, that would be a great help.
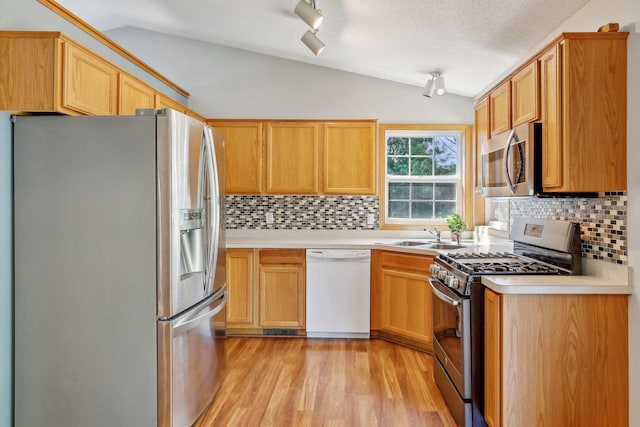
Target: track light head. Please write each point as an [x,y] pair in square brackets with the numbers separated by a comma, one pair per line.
[429,89]
[312,41]
[309,14]
[434,85]
[440,90]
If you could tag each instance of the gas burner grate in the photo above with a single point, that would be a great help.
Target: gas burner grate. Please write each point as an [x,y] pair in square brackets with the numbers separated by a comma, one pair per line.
[480,255]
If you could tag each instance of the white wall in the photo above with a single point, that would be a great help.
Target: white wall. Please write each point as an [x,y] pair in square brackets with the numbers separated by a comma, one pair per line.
[232,83]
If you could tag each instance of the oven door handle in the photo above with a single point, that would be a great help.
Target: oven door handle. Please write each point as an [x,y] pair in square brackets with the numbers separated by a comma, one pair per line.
[441,295]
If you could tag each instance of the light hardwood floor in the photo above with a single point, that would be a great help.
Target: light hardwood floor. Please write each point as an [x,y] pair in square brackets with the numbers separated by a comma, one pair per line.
[284,382]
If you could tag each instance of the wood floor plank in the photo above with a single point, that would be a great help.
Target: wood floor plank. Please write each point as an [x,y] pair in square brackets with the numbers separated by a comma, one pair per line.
[282,382]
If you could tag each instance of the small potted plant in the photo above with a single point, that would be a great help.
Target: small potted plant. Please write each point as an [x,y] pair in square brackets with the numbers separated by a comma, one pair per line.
[456,226]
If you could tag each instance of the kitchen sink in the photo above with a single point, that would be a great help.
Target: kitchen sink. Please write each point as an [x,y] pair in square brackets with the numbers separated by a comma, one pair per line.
[444,246]
[411,243]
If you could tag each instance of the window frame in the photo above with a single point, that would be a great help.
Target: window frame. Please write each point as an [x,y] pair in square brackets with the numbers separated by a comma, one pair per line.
[464,178]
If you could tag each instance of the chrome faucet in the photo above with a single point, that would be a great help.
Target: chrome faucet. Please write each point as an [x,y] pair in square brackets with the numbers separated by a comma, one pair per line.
[435,232]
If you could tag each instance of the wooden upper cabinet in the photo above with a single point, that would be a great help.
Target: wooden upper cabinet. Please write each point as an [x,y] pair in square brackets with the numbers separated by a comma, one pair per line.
[500,109]
[243,157]
[134,94]
[525,97]
[577,88]
[482,134]
[349,158]
[292,157]
[90,83]
[29,72]
[299,157]
[584,113]
[550,100]
[46,72]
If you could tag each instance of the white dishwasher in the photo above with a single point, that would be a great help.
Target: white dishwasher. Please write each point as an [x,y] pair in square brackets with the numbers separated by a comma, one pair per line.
[338,293]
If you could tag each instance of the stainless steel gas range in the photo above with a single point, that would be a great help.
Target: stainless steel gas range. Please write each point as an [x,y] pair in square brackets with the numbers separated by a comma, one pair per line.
[541,247]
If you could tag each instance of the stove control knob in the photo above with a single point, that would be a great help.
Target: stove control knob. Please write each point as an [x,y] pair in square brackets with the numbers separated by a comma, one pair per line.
[452,281]
[435,268]
[442,274]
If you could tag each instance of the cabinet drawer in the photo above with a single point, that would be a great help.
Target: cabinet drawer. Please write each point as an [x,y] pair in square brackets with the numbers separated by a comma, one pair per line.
[404,261]
[282,256]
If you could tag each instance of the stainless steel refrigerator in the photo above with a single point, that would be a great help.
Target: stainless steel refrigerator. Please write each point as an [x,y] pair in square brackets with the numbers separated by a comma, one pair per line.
[119,290]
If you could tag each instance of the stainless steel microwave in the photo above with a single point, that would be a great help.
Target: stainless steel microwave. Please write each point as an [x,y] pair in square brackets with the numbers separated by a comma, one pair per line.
[507,162]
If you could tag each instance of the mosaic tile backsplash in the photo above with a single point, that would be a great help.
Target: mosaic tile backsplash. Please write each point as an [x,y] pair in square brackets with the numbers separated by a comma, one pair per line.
[302,212]
[603,221]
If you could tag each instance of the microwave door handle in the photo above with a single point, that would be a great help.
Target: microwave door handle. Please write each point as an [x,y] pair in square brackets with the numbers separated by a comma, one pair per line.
[507,149]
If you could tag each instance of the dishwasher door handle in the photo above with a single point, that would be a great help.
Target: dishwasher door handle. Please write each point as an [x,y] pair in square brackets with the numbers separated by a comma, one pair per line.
[327,255]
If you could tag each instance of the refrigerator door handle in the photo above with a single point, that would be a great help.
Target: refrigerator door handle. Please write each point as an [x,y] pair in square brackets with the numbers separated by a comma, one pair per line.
[213,207]
[210,308]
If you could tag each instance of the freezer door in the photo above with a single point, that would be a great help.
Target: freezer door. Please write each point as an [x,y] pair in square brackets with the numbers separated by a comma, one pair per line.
[191,361]
[189,212]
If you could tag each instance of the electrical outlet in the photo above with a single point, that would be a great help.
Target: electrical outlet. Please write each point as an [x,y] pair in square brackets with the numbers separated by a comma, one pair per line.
[371,219]
[269,217]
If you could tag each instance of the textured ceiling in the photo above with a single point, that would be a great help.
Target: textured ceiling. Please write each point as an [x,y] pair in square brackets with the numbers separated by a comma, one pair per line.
[471,42]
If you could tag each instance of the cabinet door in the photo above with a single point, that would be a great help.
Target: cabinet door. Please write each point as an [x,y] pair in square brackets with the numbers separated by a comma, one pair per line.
[550,100]
[282,296]
[500,108]
[406,305]
[28,73]
[241,307]
[525,104]
[90,84]
[482,135]
[134,94]
[492,359]
[292,158]
[349,158]
[243,157]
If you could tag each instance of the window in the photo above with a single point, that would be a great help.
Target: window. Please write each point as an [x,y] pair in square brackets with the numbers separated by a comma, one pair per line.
[423,174]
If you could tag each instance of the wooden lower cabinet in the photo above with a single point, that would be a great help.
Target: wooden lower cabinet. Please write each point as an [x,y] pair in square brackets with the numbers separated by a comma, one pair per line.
[556,360]
[401,298]
[266,290]
[241,301]
[492,359]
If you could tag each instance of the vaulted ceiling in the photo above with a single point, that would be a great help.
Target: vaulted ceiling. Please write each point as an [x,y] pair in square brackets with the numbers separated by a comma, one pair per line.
[471,42]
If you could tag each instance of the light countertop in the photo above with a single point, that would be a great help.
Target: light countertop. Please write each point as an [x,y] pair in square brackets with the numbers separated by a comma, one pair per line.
[599,277]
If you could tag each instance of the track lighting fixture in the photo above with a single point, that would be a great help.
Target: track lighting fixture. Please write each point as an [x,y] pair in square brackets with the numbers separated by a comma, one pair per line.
[312,41]
[435,85]
[313,17]
[309,14]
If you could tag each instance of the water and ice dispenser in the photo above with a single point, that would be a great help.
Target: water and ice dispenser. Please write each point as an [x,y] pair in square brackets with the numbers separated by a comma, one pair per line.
[192,242]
